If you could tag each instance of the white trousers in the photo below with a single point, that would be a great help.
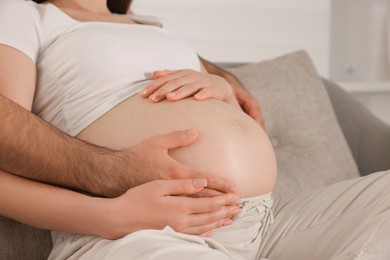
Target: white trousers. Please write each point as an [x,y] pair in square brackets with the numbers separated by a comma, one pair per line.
[346,220]
[240,240]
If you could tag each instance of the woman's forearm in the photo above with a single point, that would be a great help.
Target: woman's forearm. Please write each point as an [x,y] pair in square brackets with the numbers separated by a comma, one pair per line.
[53,208]
[49,207]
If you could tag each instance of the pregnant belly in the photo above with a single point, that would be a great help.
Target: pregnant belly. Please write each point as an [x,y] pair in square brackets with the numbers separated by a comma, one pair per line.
[230,144]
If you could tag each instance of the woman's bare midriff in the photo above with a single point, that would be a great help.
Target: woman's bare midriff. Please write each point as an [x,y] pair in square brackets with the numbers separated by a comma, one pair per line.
[230,144]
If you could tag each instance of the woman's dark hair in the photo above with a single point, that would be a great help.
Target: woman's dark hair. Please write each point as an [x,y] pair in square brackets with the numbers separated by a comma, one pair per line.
[115,6]
[119,6]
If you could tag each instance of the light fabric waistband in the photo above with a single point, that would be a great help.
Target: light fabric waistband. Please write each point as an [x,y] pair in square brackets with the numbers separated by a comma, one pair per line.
[259,198]
[261,204]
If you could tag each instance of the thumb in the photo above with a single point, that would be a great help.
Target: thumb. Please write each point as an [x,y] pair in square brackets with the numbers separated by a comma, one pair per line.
[177,139]
[182,186]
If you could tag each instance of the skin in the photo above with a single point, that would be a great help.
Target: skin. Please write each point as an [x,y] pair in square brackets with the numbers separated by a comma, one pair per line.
[180,84]
[35,161]
[69,170]
[231,145]
[50,207]
[36,150]
[62,209]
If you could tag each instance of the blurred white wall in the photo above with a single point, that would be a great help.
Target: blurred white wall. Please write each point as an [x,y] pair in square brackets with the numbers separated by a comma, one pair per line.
[360,49]
[249,30]
[359,44]
[346,39]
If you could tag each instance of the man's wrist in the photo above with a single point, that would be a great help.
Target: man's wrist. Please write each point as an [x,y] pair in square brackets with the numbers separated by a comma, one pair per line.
[214,69]
[43,153]
[109,173]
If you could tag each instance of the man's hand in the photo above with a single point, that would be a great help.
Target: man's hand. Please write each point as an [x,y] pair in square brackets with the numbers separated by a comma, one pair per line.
[151,161]
[162,203]
[248,103]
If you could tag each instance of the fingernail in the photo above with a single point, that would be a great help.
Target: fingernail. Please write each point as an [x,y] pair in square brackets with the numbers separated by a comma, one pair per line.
[227,222]
[143,92]
[171,94]
[236,211]
[208,234]
[233,189]
[198,96]
[236,200]
[153,97]
[191,132]
[199,183]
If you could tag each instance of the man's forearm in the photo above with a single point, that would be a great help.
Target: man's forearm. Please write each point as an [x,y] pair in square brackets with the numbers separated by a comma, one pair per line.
[32,148]
[214,69]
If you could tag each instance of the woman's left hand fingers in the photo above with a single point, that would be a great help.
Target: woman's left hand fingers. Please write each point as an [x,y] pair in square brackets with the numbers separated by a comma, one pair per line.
[161,78]
[166,82]
[207,93]
[185,91]
[179,84]
[182,84]
[185,85]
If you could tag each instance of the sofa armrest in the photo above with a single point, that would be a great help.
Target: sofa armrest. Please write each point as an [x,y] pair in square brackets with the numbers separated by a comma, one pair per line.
[368,137]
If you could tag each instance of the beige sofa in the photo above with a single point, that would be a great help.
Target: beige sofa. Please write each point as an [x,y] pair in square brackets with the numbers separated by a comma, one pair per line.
[320,133]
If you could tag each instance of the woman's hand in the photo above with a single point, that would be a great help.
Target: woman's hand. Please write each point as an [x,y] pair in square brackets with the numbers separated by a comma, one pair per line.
[162,203]
[179,84]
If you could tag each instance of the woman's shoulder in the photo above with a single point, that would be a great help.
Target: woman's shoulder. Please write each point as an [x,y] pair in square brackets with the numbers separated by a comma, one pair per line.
[18,9]
[27,15]
[6,5]
[17,13]
[19,26]
[25,9]
[16,5]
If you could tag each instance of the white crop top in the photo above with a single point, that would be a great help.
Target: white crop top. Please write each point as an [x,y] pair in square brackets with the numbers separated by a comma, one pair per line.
[86,68]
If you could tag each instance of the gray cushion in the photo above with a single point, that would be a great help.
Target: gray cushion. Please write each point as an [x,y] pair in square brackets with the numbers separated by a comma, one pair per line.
[19,242]
[310,148]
